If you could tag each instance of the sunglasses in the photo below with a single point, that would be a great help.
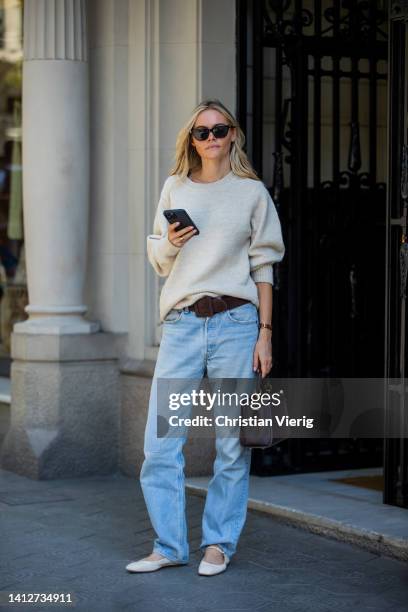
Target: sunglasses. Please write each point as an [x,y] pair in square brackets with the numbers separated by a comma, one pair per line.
[202,133]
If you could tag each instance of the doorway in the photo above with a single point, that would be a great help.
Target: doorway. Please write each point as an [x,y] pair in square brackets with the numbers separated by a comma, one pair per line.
[312,100]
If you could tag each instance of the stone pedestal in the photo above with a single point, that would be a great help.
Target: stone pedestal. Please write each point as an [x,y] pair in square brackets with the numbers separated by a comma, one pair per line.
[65,406]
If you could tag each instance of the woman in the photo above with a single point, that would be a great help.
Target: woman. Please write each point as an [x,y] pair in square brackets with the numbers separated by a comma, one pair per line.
[217,281]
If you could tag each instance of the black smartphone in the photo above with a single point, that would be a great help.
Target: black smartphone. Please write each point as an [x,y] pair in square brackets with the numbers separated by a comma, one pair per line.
[182,216]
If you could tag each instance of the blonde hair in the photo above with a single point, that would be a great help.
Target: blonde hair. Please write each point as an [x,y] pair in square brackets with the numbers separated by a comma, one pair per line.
[187,159]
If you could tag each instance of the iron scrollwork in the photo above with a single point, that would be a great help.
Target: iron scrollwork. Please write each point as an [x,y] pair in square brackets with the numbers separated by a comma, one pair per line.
[399,10]
[356,21]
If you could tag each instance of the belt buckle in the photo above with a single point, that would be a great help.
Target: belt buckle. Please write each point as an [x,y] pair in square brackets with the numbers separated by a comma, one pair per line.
[204,307]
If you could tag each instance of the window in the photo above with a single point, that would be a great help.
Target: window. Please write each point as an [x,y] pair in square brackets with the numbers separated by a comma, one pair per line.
[13,285]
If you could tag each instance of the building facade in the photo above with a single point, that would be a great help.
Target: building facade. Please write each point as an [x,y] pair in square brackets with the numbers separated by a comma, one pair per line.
[106,85]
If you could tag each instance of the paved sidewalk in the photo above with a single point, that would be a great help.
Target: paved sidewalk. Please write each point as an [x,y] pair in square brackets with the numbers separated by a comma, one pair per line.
[77,536]
[320,503]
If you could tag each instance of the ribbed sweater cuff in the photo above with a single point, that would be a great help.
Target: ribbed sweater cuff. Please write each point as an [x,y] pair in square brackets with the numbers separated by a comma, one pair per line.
[263,274]
[166,248]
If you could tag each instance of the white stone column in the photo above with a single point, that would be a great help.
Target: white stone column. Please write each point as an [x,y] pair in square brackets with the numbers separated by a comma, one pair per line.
[55,165]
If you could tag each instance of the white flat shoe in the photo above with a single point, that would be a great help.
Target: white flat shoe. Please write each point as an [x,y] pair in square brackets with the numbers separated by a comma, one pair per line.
[210,569]
[149,566]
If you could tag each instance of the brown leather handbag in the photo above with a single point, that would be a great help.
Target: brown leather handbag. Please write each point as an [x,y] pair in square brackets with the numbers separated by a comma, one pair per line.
[261,436]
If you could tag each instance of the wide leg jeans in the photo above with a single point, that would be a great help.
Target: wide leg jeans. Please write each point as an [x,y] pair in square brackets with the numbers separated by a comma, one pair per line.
[223,346]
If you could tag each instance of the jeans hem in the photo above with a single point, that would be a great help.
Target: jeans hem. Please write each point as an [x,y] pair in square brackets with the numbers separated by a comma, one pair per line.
[170,557]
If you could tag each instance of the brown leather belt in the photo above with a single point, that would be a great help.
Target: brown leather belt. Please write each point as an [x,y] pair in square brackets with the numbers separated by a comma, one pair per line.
[207,306]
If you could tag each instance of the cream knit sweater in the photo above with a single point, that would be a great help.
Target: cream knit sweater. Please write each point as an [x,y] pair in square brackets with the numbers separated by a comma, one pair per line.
[240,238]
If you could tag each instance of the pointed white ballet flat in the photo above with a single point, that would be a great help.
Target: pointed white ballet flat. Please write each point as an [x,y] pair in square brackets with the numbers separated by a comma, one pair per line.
[210,569]
[149,566]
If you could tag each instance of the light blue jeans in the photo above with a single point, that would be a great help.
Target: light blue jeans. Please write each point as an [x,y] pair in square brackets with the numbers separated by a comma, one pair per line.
[224,346]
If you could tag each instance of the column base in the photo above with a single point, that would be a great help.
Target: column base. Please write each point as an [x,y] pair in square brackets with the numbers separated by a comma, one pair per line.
[64,408]
[56,325]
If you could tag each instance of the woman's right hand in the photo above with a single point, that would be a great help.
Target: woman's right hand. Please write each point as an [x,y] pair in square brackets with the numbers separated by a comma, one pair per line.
[179,238]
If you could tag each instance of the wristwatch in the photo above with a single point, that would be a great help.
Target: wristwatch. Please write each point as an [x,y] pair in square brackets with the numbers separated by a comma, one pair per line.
[265,325]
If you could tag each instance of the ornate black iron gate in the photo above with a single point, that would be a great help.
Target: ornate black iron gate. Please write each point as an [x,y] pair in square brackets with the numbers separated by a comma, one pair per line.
[396,451]
[317,125]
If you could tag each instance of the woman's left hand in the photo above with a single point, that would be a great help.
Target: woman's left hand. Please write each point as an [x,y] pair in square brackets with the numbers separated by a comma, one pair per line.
[263,352]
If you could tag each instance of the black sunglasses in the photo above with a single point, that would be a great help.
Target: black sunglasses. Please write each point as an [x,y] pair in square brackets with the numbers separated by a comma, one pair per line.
[202,133]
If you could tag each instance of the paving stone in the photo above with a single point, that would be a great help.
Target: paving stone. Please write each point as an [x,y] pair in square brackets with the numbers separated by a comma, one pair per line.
[31,497]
